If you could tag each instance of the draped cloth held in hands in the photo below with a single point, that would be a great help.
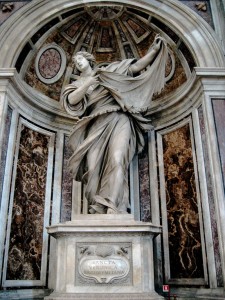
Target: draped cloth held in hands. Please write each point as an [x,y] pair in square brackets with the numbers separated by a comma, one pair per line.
[136,92]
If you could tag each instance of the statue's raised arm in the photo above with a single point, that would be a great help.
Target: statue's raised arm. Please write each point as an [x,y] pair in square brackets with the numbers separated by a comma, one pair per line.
[108,103]
[146,60]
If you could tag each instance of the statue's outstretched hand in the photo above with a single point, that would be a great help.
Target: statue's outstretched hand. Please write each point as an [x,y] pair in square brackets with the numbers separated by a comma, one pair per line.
[157,42]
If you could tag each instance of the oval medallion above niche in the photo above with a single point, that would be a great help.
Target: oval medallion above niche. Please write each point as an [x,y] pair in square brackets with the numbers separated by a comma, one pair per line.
[50,63]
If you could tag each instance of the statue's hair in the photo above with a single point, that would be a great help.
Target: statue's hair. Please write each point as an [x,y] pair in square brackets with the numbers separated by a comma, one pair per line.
[87,55]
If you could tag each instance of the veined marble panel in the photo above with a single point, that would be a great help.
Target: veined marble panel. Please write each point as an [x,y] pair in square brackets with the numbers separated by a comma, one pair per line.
[185,249]
[67,184]
[4,149]
[26,235]
[144,183]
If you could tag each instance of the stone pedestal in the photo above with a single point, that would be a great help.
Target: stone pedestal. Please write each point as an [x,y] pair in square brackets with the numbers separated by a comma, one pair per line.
[104,257]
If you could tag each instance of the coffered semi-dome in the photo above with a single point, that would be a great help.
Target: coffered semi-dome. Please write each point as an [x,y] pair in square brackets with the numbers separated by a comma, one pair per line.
[111,33]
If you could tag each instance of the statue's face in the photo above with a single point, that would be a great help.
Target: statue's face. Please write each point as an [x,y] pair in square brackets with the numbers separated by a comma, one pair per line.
[81,63]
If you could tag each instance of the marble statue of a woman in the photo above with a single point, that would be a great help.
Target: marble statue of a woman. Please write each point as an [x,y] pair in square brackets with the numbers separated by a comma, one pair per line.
[109,103]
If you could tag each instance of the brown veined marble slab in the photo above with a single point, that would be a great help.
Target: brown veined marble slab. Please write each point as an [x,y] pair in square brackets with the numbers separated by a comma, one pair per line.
[185,248]
[67,183]
[26,236]
[144,183]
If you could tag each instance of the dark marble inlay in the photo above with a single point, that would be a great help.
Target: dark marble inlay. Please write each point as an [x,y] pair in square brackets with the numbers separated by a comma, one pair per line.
[91,29]
[211,199]
[4,149]
[67,182]
[26,237]
[188,56]
[144,183]
[106,39]
[185,249]
[128,51]
[75,27]
[166,29]
[137,29]
[121,32]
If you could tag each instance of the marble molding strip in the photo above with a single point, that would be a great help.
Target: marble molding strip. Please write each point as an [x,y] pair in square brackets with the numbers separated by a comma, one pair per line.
[4,148]
[7,185]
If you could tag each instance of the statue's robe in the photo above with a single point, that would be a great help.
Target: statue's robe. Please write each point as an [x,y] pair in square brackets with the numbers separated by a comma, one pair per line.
[111,110]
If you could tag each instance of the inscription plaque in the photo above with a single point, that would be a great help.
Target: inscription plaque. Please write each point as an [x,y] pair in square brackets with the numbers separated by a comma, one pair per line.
[104,270]
[104,264]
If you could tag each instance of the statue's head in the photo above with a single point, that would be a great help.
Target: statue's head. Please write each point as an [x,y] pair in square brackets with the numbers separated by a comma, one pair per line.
[82,59]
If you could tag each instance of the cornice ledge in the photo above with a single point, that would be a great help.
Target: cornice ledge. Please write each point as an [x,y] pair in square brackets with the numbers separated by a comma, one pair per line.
[210,72]
[6,73]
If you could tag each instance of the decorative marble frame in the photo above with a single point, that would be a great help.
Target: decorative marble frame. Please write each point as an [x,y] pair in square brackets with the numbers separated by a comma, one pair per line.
[214,89]
[122,44]
[61,69]
[125,279]
[168,279]
[44,262]
[67,25]
[99,47]
[134,36]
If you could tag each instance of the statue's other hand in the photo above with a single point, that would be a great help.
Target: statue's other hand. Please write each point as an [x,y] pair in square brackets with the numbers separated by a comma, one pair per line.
[92,80]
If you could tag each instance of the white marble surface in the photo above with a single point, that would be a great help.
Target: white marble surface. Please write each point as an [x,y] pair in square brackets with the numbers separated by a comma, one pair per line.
[107,231]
